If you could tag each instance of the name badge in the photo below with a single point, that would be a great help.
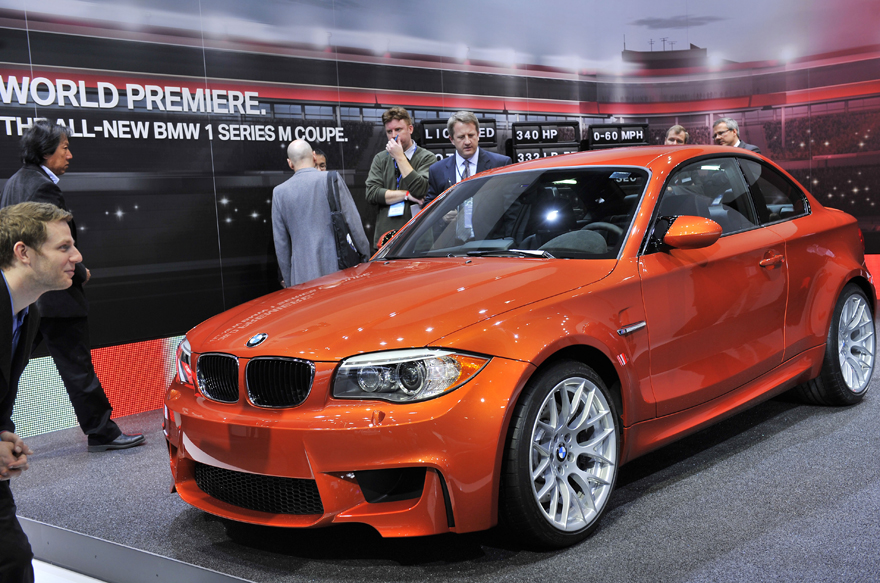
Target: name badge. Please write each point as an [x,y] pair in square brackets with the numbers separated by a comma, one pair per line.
[396,210]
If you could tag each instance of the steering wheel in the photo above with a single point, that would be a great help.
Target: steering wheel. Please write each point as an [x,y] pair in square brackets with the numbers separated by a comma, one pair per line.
[608,228]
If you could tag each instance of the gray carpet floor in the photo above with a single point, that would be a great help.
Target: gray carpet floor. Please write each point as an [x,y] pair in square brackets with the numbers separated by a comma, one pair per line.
[784,492]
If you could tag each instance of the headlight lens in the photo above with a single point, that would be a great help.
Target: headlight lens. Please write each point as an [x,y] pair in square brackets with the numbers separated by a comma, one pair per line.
[405,376]
[184,368]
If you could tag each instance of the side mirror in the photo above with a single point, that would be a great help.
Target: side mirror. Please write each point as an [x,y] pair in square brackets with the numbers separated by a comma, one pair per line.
[386,237]
[689,232]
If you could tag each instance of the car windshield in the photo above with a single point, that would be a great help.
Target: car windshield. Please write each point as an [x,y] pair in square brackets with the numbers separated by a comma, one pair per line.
[574,213]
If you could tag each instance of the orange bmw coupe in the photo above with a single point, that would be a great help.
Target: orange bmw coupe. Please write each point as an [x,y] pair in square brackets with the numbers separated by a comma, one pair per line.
[530,331]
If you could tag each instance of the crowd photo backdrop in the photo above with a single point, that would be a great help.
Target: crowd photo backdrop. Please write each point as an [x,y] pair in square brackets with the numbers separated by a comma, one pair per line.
[180,114]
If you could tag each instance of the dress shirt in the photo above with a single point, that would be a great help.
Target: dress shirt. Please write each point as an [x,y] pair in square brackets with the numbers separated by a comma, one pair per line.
[459,165]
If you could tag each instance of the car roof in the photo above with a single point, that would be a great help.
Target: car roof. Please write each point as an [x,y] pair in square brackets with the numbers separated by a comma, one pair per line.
[642,156]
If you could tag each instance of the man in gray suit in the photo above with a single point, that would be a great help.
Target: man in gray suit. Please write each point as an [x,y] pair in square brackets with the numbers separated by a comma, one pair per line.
[301,226]
[725,132]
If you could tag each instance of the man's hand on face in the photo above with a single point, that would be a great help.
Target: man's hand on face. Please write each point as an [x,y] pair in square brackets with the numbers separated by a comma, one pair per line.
[394,148]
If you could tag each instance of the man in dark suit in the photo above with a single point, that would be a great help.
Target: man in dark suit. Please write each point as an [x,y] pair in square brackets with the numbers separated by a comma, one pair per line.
[725,132]
[64,325]
[469,159]
[37,254]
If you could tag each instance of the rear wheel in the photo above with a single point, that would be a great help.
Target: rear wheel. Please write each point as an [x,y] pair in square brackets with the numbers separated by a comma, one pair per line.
[849,353]
[562,457]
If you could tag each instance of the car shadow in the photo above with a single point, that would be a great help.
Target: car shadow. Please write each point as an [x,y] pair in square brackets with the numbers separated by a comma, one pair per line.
[688,456]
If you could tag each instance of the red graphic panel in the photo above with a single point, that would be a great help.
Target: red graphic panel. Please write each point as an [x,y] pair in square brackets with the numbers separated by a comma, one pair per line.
[136,375]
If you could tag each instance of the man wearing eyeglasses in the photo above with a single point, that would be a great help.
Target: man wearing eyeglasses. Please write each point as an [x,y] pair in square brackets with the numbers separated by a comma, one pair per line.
[725,132]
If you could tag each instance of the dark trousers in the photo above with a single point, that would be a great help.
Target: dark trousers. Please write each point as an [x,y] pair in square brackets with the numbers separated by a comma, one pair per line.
[68,342]
[15,550]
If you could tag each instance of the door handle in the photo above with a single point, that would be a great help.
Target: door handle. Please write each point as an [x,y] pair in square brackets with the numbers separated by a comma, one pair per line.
[772,260]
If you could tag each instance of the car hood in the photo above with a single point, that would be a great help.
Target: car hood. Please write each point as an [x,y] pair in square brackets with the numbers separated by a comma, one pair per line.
[388,305]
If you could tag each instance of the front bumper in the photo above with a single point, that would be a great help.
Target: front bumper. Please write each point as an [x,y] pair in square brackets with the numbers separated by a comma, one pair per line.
[457,439]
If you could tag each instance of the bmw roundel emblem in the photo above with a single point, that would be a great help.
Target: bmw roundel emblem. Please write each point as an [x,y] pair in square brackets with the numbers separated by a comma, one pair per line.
[257,339]
[561,453]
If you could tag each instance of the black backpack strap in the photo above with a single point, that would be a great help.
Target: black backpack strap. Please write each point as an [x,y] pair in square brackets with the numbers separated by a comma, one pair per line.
[332,191]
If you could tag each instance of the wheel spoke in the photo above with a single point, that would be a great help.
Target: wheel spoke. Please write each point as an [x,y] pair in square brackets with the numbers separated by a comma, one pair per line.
[858,311]
[587,502]
[549,485]
[557,414]
[865,352]
[573,405]
[857,372]
[562,494]
[595,447]
[866,332]
[548,429]
[579,501]
[542,450]
[542,467]
[583,420]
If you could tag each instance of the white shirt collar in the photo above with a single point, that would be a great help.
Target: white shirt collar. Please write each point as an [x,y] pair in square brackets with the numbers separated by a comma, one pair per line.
[459,160]
[412,150]
[51,174]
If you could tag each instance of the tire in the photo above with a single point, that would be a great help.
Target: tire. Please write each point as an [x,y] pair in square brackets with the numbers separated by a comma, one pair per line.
[561,460]
[849,353]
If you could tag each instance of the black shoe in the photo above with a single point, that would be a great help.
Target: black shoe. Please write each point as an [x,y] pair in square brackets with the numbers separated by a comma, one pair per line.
[122,442]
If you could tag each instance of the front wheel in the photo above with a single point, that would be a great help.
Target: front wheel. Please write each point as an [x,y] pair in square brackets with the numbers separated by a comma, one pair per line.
[849,353]
[562,457]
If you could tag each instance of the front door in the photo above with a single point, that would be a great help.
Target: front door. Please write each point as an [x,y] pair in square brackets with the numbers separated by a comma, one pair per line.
[715,315]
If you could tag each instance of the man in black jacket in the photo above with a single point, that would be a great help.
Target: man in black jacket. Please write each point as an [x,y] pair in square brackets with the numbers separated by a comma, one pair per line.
[37,254]
[64,325]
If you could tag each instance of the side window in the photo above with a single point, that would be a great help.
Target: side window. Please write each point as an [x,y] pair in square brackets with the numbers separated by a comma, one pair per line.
[776,198]
[712,189]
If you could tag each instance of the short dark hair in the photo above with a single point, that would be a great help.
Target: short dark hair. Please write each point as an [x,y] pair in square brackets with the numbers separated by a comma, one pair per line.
[26,222]
[319,152]
[41,140]
[396,112]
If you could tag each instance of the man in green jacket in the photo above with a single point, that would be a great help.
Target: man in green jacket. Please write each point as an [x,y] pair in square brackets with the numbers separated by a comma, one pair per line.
[398,176]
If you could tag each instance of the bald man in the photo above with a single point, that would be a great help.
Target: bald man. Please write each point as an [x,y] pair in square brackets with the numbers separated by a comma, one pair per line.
[301,226]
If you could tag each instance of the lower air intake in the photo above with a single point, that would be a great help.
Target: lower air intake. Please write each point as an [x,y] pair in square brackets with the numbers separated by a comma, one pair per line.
[261,493]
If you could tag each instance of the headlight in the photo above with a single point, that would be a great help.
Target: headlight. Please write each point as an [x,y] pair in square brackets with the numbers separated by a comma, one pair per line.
[404,376]
[184,358]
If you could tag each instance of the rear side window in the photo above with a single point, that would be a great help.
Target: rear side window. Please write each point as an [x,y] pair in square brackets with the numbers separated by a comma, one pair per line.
[712,189]
[776,198]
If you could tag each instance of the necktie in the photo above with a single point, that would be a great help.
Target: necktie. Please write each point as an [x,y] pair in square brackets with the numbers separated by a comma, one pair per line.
[463,226]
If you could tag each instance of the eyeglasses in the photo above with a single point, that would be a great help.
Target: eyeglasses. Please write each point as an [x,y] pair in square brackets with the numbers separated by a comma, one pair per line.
[719,134]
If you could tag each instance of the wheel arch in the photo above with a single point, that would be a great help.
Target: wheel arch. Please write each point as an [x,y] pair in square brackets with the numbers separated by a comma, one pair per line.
[867,287]
[595,359]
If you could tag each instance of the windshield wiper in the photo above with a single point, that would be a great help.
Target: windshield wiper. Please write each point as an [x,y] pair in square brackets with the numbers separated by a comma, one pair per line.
[511,252]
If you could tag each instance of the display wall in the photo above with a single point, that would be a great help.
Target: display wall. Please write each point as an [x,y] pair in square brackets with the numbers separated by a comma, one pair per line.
[181,113]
